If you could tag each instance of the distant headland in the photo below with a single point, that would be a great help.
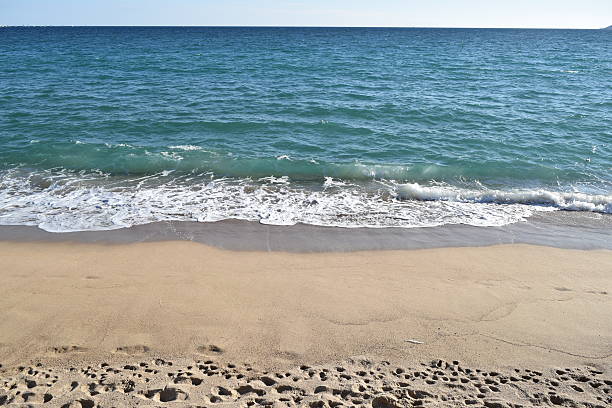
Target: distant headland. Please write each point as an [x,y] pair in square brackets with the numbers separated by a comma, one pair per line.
[607,28]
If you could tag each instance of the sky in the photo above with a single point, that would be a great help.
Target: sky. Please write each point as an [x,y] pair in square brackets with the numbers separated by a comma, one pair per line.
[361,13]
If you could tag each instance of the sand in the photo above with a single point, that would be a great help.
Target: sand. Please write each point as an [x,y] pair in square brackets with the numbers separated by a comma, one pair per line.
[186,324]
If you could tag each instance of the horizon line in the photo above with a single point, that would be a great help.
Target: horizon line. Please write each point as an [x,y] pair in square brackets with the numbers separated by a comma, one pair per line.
[292,26]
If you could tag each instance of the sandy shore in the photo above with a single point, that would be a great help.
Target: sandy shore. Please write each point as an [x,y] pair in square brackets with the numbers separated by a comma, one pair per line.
[97,309]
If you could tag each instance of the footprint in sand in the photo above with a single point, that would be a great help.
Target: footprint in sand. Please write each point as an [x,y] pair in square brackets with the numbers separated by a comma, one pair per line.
[65,349]
[355,382]
[167,394]
[132,350]
[82,403]
[210,348]
[31,397]
[597,292]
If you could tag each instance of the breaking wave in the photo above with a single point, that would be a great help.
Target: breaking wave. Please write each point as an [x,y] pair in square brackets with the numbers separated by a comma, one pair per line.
[62,201]
[573,201]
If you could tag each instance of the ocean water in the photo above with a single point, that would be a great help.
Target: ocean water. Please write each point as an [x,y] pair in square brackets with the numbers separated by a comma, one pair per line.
[103,128]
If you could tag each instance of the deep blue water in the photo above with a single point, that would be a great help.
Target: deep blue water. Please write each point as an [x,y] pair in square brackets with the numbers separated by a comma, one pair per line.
[109,127]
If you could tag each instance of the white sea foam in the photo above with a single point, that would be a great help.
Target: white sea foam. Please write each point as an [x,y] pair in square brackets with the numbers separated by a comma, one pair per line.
[111,145]
[331,182]
[77,202]
[186,147]
[275,180]
[172,155]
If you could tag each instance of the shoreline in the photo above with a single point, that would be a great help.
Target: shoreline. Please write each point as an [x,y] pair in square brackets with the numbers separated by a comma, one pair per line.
[559,229]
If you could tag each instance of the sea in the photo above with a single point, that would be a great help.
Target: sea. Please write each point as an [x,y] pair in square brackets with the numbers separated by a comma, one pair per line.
[110,127]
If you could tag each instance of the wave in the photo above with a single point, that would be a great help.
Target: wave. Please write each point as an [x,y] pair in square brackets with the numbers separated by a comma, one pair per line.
[130,160]
[61,201]
[574,201]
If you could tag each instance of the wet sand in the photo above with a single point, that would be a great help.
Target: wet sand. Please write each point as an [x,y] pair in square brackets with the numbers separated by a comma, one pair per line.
[559,229]
[98,316]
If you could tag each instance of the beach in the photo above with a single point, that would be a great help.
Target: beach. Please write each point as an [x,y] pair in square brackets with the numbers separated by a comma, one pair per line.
[305,216]
[177,321]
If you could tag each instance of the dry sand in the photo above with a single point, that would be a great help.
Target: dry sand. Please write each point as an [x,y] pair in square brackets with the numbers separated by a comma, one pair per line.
[175,322]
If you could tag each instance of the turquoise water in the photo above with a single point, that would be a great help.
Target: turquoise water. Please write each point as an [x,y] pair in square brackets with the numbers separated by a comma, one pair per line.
[110,127]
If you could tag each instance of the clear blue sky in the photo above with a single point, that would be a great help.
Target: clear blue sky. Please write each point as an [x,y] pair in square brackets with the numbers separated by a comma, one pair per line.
[397,13]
